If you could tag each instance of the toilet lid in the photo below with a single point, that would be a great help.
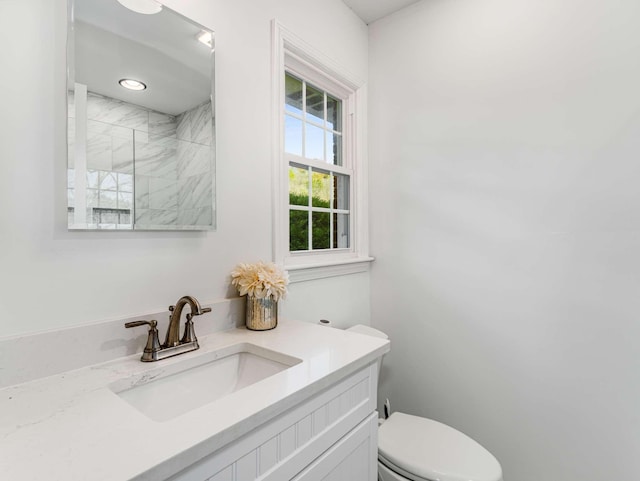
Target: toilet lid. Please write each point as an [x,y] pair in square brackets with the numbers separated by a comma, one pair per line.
[424,449]
[368,331]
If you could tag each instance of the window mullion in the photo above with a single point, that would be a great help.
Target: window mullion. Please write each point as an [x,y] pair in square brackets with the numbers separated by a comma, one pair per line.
[318,209]
[317,165]
[331,203]
[298,207]
[309,203]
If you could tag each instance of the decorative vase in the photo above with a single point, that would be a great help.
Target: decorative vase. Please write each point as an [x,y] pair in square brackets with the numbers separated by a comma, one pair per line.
[262,313]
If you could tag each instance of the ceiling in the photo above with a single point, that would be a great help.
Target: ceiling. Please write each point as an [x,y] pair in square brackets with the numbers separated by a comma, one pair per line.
[372,10]
[112,42]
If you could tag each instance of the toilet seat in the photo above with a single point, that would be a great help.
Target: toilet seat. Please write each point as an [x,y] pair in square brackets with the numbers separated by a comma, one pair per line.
[421,449]
[398,472]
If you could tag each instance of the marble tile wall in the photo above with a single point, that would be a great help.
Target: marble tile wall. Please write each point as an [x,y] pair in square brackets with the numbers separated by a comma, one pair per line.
[173,164]
[156,178]
[195,166]
[174,170]
[195,125]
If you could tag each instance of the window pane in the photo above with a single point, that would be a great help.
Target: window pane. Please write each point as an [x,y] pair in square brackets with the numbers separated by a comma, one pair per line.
[341,231]
[298,230]
[92,179]
[108,199]
[125,219]
[315,105]
[108,181]
[321,230]
[298,186]
[292,135]
[334,149]
[314,142]
[92,198]
[109,217]
[334,113]
[293,93]
[125,182]
[125,200]
[341,192]
[321,189]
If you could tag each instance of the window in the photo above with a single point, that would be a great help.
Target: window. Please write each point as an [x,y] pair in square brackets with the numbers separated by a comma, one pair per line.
[320,217]
[319,182]
[108,201]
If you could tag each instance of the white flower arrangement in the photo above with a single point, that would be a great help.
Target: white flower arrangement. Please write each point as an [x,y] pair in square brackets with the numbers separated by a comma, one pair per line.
[260,280]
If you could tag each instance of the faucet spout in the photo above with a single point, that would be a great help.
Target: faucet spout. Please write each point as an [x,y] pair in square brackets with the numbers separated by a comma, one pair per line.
[173,332]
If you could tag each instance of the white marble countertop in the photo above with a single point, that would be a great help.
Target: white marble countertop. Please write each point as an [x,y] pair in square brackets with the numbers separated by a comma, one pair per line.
[72,427]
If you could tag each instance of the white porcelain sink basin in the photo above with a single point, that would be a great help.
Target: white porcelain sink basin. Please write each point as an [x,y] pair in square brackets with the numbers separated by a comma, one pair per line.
[167,392]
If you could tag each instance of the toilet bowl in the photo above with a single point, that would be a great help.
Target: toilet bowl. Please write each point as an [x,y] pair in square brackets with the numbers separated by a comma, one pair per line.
[412,448]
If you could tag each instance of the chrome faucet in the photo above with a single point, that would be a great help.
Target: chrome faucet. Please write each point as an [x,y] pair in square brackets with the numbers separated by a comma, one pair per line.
[173,345]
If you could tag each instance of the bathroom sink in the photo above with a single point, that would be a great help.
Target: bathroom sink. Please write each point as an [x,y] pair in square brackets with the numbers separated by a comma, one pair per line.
[167,392]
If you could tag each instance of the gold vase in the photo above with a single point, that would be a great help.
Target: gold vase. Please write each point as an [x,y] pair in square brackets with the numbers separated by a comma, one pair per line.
[262,314]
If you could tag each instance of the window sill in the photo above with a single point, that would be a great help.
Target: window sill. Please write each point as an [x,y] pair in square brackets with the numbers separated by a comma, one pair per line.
[323,269]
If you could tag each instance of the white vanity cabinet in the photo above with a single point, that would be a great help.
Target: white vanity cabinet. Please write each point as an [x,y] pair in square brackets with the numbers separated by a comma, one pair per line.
[313,420]
[329,436]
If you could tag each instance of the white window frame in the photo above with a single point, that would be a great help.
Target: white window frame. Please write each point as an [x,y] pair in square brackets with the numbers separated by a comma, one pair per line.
[294,55]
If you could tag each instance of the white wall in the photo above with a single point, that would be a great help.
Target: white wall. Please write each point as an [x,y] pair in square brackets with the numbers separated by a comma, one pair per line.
[51,278]
[505,200]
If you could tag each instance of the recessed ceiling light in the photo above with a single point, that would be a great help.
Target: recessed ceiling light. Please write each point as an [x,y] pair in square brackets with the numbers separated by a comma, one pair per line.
[146,7]
[132,84]
[206,38]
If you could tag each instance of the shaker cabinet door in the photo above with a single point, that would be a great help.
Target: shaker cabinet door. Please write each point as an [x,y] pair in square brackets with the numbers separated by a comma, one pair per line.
[353,458]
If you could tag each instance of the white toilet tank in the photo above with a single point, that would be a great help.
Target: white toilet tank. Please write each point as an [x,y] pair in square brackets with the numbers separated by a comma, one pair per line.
[369,331]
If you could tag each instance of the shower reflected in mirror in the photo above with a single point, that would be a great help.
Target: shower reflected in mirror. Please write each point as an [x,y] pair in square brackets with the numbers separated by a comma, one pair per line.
[141,121]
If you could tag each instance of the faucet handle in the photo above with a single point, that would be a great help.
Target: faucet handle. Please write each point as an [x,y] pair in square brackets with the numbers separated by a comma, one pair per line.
[189,333]
[152,347]
[151,323]
[191,315]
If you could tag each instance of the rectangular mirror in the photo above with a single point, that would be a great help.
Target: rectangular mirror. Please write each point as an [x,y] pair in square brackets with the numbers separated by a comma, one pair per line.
[141,122]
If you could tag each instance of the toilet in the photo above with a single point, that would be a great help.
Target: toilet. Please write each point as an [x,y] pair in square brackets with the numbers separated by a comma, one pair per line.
[420,449]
